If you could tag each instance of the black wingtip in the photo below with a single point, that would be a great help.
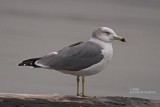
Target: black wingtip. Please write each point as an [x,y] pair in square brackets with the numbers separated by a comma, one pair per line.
[21,64]
[29,62]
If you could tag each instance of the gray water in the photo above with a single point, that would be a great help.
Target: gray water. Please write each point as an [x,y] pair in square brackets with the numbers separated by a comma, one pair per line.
[31,28]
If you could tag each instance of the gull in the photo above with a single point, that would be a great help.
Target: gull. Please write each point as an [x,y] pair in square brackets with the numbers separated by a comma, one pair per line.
[80,59]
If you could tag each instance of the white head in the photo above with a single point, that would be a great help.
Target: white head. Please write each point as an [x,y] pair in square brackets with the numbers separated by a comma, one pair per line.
[106,34]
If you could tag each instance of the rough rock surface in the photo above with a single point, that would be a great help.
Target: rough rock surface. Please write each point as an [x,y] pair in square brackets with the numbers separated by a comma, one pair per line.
[56,100]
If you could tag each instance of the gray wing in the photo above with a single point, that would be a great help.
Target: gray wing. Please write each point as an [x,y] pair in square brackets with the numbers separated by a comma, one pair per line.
[74,57]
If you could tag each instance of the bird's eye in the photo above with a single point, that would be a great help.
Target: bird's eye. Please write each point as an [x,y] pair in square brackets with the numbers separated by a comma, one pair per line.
[108,33]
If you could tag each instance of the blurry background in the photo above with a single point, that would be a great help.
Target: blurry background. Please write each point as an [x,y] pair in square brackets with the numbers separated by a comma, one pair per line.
[30,28]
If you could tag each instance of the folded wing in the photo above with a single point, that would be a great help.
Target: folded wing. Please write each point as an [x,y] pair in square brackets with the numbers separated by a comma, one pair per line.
[75,57]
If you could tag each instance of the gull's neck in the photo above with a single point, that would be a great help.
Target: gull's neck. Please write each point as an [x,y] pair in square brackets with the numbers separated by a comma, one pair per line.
[102,44]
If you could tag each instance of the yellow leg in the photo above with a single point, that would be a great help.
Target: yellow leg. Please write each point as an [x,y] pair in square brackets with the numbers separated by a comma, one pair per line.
[83,80]
[78,86]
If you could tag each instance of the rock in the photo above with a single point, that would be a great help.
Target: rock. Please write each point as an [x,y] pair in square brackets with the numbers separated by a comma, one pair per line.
[56,100]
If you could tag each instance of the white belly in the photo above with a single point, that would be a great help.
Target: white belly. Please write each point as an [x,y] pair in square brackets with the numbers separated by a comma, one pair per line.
[94,69]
